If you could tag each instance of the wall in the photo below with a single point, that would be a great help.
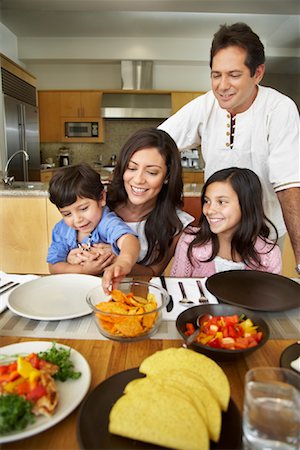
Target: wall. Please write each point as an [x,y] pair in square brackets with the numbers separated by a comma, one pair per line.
[116,133]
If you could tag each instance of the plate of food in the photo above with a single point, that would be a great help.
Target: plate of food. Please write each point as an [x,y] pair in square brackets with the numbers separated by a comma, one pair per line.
[97,411]
[54,297]
[252,289]
[28,387]
[290,357]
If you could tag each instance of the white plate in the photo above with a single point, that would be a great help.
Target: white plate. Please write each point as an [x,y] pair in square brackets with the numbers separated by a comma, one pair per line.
[71,392]
[54,297]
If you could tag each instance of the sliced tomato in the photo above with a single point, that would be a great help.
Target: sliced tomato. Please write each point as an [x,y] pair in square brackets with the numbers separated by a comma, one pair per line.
[36,393]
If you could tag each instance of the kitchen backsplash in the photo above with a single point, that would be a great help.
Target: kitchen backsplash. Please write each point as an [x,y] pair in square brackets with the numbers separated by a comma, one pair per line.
[116,133]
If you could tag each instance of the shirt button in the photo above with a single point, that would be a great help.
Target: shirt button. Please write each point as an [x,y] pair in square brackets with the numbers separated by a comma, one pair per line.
[227,133]
[228,116]
[227,144]
[228,125]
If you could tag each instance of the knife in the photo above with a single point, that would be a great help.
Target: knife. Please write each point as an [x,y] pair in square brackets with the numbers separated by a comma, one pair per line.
[170,305]
[9,288]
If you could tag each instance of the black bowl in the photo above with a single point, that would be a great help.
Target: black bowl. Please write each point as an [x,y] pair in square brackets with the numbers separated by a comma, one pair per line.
[221,354]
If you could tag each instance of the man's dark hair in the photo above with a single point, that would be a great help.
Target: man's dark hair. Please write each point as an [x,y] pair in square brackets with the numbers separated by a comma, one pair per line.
[240,35]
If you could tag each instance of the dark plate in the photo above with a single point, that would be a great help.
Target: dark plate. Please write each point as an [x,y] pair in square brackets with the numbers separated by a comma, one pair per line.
[261,291]
[92,425]
[288,355]
[220,354]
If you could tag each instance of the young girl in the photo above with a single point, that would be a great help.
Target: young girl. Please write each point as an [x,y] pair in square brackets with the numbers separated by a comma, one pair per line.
[79,195]
[233,231]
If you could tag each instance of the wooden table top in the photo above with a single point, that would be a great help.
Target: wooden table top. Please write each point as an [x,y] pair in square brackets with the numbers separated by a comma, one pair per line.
[107,358]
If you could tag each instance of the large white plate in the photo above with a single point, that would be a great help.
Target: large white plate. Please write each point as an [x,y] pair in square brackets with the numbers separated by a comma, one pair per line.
[54,297]
[71,392]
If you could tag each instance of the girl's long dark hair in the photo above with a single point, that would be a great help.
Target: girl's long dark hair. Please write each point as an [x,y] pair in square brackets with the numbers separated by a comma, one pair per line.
[253,223]
[162,224]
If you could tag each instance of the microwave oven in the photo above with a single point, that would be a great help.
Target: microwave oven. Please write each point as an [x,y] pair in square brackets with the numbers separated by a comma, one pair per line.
[81,129]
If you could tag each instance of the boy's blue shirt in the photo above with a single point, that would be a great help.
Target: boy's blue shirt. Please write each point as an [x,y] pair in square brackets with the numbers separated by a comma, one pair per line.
[64,238]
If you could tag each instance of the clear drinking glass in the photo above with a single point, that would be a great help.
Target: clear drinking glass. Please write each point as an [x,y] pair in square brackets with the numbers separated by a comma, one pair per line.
[271,416]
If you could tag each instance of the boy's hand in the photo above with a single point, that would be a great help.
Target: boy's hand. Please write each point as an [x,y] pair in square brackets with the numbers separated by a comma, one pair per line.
[114,274]
[97,265]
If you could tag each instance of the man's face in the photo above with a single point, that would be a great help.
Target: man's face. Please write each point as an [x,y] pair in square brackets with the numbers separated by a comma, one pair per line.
[232,84]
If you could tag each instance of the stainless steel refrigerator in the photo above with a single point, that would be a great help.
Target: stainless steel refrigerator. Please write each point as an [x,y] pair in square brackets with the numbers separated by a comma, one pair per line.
[22,133]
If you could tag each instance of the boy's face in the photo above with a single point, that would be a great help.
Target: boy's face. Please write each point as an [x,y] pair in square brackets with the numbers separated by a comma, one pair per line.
[83,215]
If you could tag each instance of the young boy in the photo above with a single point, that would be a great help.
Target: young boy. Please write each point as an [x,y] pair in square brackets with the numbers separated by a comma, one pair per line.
[79,195]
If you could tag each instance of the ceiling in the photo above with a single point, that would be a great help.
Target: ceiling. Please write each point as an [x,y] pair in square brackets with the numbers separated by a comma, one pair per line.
[277,22]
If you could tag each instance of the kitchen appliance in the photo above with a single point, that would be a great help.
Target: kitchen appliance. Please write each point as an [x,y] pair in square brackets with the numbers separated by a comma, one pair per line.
[81,129]
[63,157]
[21,135]
[190,159]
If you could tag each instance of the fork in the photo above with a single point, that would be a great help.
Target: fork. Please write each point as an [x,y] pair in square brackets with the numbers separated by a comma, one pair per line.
[202,298]
[184,300]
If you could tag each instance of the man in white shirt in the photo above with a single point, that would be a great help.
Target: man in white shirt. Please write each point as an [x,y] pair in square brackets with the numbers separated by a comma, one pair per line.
[239,123]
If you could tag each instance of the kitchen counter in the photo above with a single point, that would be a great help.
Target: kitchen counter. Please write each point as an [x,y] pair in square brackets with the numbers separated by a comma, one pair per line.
[24,189]
[39,189]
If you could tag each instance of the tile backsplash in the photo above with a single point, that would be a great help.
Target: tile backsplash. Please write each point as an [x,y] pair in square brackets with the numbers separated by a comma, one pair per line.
[116,133]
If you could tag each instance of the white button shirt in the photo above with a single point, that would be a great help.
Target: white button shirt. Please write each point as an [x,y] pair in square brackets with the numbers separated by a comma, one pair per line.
[266,140]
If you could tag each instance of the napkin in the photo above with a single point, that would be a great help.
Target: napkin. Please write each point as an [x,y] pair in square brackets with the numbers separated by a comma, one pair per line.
[5,278]
[192,293]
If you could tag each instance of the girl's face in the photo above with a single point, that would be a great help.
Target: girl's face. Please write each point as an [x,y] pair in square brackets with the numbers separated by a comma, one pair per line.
[144,177]
[222,209]
[83,215]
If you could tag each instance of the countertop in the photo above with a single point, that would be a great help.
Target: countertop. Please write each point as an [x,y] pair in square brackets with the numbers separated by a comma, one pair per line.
[39,189]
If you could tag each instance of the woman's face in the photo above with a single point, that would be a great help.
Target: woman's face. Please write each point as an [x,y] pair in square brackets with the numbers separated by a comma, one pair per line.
[144,177]
[222,208]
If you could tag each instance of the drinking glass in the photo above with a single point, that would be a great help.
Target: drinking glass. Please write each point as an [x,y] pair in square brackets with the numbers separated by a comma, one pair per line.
[271,416]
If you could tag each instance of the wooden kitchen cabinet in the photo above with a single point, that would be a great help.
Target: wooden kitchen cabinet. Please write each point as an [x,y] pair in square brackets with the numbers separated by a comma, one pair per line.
[179,99]
[49,116]
[80,103]
[192,177]
[23,231]
[26,225]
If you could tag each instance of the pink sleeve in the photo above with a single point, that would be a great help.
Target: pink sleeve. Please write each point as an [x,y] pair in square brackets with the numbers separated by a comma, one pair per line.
[181,266]
[272,261]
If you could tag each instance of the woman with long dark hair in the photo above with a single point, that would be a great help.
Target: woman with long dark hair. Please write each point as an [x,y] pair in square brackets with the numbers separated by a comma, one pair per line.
[146,192]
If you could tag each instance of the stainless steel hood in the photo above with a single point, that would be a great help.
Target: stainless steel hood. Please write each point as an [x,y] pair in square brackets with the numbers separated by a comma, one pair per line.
[136,75]
[136,106]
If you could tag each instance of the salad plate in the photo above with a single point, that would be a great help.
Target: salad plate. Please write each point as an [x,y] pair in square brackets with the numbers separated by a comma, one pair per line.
[71,392]
[54,297]
[92,425]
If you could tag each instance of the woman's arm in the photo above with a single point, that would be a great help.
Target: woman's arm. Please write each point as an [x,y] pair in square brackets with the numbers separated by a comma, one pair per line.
[156,269]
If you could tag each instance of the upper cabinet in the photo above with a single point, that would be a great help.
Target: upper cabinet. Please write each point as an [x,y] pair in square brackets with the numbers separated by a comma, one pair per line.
[179,99]
[49,115]
[80,104]
[58,107]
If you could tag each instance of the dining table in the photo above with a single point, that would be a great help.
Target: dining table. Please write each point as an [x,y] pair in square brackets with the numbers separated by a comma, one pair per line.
[107,358]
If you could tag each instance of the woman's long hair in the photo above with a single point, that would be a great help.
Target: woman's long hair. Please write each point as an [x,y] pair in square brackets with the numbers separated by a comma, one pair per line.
[162,224]
[253,222]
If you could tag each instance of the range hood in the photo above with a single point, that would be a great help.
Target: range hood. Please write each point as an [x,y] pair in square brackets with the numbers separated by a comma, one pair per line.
[136,75]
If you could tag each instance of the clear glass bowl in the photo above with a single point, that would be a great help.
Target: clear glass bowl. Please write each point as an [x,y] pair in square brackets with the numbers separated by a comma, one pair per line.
[140,321]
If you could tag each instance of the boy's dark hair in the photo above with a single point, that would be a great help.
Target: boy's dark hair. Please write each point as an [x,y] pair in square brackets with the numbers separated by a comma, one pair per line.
[240,35]
[69,183]
[253,223]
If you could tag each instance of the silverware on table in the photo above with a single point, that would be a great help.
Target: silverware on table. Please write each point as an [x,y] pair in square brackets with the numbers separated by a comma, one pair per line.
[170,305]
[9,288]
[202,298]
[184,300]
[6,284]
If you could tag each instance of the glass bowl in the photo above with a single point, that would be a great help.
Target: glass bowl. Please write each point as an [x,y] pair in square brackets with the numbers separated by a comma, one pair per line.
[134,313]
